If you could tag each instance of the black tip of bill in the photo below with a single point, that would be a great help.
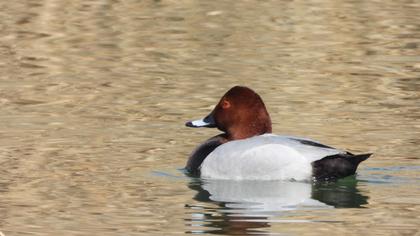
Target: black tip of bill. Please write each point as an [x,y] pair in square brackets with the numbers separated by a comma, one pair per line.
[190,124]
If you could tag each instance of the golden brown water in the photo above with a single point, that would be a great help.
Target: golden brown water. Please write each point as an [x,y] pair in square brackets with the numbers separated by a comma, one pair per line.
[94,96]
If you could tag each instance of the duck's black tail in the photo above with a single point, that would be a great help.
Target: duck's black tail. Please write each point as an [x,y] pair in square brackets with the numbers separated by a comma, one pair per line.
[337,166]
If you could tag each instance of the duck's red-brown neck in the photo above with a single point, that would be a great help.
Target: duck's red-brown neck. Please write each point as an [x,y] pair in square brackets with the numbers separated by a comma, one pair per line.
[247,127]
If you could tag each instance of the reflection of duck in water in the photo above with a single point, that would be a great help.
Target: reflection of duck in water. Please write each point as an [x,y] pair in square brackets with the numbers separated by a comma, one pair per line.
[340,194]
[245,205]
[247,150]
[280,195]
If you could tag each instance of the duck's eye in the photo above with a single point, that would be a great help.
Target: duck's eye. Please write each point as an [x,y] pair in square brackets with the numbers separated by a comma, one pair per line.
[225,104]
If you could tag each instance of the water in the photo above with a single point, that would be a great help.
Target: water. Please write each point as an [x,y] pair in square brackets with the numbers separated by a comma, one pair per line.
[94,96]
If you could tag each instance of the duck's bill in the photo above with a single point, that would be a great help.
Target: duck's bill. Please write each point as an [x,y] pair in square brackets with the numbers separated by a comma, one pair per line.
[206,122]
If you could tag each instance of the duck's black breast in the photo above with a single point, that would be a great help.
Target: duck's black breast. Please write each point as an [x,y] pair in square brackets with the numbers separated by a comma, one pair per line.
[201,152]
[337,166]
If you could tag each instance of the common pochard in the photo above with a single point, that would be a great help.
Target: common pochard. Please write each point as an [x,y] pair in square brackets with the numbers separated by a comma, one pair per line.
[246,150]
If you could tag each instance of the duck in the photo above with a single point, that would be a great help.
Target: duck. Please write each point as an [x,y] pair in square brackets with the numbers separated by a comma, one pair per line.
[248,150]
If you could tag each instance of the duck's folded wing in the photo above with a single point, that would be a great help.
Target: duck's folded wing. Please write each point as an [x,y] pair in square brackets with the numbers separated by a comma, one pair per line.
[309,148]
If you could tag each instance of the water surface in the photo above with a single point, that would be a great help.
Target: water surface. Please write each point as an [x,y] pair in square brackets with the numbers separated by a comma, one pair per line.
[94,96]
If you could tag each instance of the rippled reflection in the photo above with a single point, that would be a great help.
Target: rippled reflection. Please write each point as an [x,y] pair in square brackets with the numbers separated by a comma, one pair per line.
[241,207]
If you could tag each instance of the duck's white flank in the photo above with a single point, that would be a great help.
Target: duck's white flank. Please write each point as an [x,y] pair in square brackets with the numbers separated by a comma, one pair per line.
[264,157]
